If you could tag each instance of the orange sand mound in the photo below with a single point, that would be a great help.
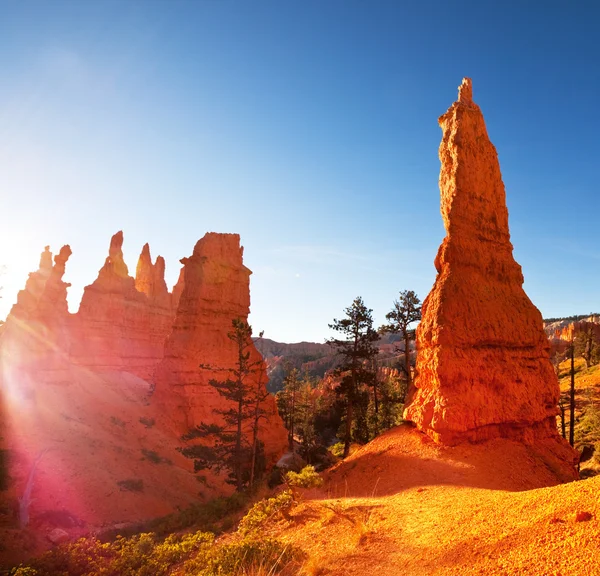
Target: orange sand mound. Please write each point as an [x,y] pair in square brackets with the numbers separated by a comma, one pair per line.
[402,506]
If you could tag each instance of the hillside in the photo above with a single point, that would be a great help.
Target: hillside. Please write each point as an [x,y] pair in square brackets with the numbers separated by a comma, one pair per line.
[404,506]
[313,358]
[553,324]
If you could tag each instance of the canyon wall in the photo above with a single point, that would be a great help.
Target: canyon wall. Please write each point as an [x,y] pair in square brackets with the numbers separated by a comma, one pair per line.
[136,326]
[215,291]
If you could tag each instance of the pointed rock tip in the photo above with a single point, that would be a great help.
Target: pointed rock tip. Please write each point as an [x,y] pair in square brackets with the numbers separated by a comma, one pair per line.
[465,91]
[63,255]
[117,240]
[159,266]
[45,259]
[145,252]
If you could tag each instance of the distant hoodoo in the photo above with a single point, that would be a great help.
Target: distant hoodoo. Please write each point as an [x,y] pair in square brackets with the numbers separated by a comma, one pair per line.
[483,364]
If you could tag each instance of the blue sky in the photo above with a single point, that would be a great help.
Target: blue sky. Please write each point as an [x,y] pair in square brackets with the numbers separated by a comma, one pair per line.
[310,128]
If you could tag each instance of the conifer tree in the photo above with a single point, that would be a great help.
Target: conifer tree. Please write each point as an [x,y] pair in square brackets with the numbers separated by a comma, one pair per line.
[228,447]
[406,311]
[357,349]
[287,402]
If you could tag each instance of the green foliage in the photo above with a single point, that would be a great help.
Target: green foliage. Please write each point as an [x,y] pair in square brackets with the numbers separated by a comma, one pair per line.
[358,352]
[146,555]
[587,430]
[147,422]
[264,511]
[405,311]
[299,408]
[154,457]
[204,517]
[117,422]
[226,447]
[571,318]
[248,556]
[308,477]
[337,449]
[131,484]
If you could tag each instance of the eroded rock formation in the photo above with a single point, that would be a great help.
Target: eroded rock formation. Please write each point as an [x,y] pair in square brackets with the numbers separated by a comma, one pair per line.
[35,331]
[123,322]
[215,292]
[483,363]
[78,387]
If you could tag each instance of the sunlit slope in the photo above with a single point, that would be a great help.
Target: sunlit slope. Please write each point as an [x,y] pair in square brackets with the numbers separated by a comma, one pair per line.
[466,510]
[102,456]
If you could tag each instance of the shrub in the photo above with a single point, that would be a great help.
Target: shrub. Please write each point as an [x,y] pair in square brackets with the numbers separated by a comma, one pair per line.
[147,422]
[141,555]
[250,556]
[117,422]
[146,555]
[265,510]
[337,449]
[308,477]
[131,484]
[200,516]
[588,428]
[154,457]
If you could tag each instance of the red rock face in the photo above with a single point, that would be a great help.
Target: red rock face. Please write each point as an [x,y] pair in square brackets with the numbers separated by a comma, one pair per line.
[77,388]
[215,292]
[483,357]
[36,329]
[122,322]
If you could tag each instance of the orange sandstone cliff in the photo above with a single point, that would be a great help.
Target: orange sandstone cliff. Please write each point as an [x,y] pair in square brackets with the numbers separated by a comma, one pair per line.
[77,411]
[483,363]
[215,291]
[122,322]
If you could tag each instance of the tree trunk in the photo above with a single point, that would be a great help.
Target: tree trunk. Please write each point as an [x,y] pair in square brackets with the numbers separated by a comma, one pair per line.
[255,437]
[572,398]
[238,447]
[376,402]
[407,357]
[348,438]
[292,419]
[563,423]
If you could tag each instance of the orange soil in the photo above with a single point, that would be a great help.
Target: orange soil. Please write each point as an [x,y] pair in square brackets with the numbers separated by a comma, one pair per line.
[404,506]
[87,427]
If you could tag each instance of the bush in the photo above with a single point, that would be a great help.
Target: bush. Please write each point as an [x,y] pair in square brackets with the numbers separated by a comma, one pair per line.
[200,516]
[337,449]
[154,457]
[117,422]
[141,555]
[147,422]
[131,484]
[146,555]
[264,511]
[250,556]
[308,477]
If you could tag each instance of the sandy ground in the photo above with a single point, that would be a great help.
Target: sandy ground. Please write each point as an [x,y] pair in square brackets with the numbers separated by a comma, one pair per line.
[402,506]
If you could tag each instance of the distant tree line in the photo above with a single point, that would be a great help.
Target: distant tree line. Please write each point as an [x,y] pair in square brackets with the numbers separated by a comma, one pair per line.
[571,318]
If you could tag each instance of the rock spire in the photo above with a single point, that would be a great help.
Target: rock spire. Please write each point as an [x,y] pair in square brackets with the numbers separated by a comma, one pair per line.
[483,367]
